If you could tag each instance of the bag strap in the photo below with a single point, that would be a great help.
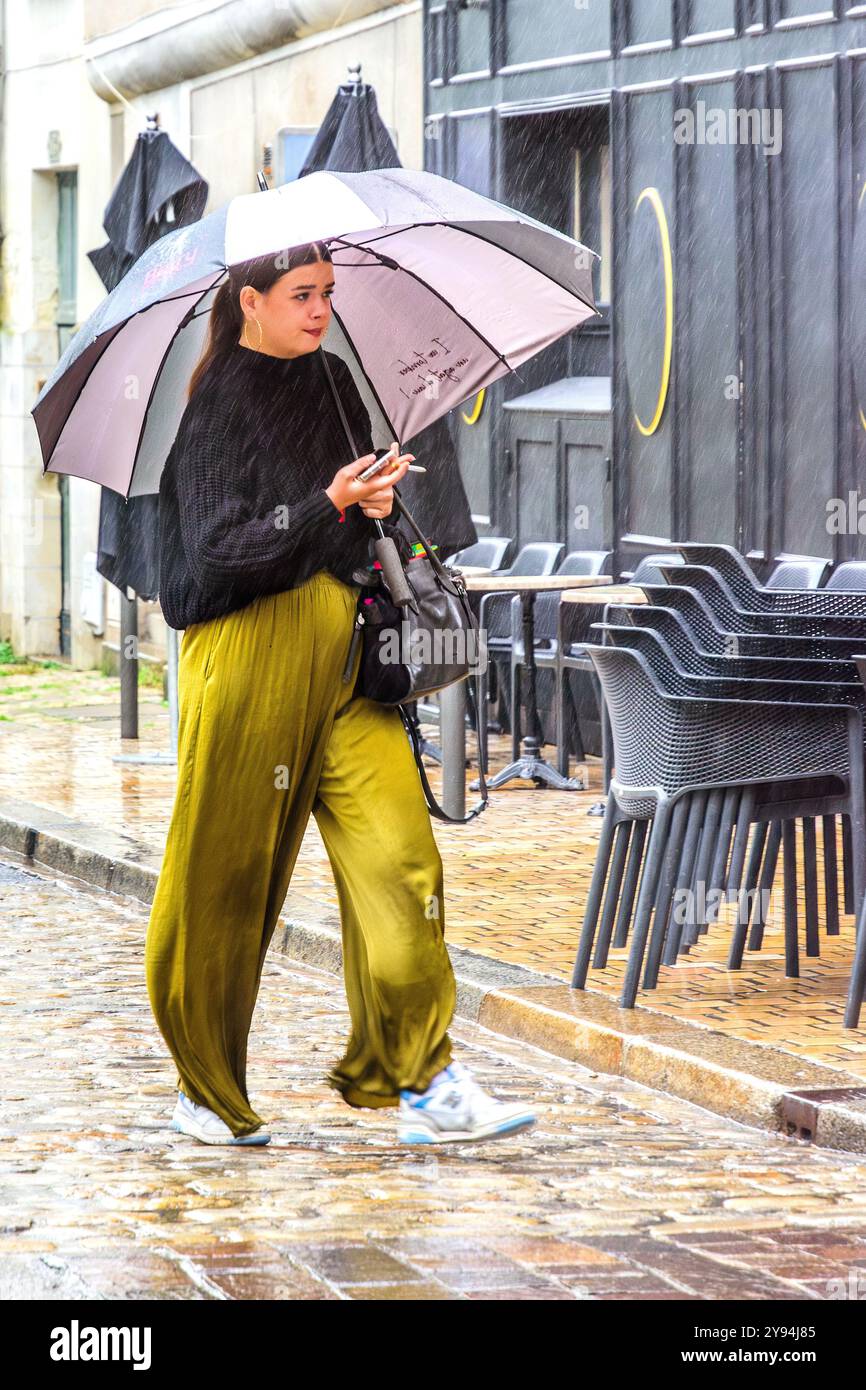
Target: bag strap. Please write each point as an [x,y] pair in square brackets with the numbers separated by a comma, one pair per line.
[439,568]
[433,805]
[346,426]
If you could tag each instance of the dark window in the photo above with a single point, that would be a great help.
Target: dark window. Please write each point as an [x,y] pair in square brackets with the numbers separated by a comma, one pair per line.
[558,170]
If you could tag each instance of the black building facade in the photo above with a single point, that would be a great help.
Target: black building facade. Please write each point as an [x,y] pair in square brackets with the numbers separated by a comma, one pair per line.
[714,153]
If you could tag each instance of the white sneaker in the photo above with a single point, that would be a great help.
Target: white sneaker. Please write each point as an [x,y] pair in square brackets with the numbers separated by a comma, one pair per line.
[203,1124]
[457,1110]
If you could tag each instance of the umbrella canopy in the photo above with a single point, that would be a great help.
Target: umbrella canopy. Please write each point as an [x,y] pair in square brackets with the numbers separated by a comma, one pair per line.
[440,292]
[156,178]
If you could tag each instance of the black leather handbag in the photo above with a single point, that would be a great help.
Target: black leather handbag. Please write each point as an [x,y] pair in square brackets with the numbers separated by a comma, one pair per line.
[418,630]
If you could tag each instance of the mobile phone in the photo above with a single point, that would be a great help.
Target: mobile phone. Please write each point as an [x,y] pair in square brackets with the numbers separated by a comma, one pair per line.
[383,456]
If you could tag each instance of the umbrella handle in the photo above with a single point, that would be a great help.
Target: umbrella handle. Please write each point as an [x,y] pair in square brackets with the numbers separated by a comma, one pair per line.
[393,572]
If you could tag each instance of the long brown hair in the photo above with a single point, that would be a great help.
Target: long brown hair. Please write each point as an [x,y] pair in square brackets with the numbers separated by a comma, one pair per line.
[227,317]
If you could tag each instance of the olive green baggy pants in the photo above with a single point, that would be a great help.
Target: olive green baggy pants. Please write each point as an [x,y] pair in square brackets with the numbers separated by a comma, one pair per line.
[268,734]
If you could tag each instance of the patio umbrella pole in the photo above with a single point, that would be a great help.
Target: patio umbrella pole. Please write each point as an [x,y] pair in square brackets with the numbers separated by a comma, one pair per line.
[129,688]
[128,665]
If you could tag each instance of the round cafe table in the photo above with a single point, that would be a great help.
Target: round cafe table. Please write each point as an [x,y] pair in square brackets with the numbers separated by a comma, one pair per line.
[530,765]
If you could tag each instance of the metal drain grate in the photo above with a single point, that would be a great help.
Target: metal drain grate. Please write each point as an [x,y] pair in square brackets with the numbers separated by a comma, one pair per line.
[801,1110]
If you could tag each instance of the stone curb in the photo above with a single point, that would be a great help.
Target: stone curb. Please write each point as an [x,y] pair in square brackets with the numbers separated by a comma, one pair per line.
[744,1081]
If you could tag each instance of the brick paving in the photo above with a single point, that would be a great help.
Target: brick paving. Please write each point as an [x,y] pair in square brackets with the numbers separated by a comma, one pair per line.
[516,878]
[617,1193]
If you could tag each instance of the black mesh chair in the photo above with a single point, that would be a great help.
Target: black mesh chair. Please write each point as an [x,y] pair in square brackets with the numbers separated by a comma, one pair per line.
[494,620]
[574,624]
[490,551]
[752,675]
[722,627]
[798,572]
[648,571]
[791,572]
[691,769]
[712,636]
[805,612]
[738,582]
[685,646]
[687,607]
[546,628]
[851,574]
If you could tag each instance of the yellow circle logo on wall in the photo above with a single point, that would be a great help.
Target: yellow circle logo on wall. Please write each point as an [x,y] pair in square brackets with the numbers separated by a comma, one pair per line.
[473,416]
[652,197]
[856,308]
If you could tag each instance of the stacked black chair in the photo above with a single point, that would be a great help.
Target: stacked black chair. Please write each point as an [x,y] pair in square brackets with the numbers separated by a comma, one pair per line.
[822,616]
[573,624]
[649,569]
[815,684]
[715,635]
[717,695]
[800,573]
[701,762]
[723,576]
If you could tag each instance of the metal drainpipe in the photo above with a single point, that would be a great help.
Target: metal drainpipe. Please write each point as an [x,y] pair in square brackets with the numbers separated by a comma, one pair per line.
[3,53]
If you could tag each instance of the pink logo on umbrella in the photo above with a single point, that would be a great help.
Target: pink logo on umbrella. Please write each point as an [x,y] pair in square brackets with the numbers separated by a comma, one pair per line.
[170,268]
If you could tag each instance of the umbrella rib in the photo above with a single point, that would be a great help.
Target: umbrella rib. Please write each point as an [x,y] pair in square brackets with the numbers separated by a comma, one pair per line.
[172,298]
[395,231]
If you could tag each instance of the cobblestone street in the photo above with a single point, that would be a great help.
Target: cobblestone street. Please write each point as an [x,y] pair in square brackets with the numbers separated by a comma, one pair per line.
[617,1193]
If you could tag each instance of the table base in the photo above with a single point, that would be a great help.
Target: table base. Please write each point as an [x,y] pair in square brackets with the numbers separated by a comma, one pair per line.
[533,767]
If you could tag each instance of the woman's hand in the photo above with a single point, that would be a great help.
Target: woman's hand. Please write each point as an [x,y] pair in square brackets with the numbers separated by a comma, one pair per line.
[380,503]
[375,497]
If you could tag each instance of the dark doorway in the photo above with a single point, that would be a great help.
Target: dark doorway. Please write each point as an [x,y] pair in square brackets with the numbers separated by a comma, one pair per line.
[556,167]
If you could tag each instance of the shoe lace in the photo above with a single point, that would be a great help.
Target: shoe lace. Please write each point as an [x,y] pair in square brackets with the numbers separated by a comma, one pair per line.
[469,1087]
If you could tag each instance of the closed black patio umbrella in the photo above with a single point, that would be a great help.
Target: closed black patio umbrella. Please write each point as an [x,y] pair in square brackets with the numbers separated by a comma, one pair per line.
[352,137]
[158,191]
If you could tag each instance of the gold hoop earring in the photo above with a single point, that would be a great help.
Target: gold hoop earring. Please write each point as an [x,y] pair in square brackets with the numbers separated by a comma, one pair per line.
[261,334]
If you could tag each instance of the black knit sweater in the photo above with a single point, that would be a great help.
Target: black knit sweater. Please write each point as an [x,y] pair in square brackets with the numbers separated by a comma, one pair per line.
[242,504]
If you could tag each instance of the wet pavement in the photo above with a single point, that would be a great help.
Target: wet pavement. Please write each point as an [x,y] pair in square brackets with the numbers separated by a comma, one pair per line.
[617,1193]
[516,877]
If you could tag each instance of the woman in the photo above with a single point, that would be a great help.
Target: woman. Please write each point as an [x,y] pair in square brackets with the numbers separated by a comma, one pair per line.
[265,542]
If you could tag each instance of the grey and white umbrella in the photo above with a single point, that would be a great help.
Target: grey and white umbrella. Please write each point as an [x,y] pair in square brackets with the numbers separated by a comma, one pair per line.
[439,292]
